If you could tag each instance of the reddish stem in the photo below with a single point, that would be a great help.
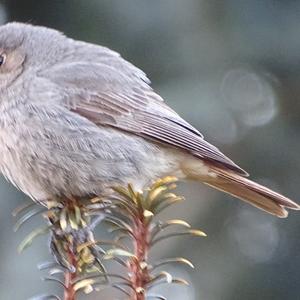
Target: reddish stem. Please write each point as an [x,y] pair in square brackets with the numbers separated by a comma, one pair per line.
[139,271]
[69,293]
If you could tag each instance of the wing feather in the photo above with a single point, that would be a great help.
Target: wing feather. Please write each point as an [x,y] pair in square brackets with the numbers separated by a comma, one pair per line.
[98,84]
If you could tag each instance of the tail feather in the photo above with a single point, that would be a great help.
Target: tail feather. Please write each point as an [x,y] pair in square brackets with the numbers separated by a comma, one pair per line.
[247,190]
[248,195]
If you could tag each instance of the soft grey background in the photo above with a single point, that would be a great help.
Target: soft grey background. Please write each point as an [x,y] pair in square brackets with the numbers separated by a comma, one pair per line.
[232,69]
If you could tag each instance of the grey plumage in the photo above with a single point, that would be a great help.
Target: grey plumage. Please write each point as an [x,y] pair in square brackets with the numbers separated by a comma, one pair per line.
[76,118]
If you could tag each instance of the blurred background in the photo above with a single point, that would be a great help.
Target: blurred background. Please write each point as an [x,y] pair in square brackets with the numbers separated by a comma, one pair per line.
[232,69]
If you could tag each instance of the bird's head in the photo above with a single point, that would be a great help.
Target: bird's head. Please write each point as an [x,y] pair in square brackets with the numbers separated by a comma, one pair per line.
[25,48]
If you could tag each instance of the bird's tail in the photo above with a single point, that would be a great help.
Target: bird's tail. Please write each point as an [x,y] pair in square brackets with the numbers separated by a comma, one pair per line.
[246,190]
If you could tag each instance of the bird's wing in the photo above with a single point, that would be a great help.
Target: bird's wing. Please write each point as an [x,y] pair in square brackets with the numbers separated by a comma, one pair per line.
[99,85]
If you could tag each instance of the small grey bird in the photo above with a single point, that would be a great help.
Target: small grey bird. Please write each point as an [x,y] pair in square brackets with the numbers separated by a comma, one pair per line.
[76,119]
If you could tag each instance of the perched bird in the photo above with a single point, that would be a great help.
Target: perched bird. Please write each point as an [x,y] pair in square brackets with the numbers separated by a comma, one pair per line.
[76,119]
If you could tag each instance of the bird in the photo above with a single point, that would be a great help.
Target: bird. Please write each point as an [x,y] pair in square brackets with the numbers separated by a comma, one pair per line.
[76,119]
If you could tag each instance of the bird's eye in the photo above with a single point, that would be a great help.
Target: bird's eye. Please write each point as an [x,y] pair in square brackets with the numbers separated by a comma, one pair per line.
[2,59]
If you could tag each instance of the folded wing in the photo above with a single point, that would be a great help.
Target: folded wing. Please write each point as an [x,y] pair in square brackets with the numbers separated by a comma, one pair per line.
[99,85]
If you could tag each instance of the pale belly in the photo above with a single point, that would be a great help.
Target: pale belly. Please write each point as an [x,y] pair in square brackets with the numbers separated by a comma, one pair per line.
[85,165]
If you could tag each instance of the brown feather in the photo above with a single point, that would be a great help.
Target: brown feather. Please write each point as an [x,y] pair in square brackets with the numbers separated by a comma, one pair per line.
[251,192]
